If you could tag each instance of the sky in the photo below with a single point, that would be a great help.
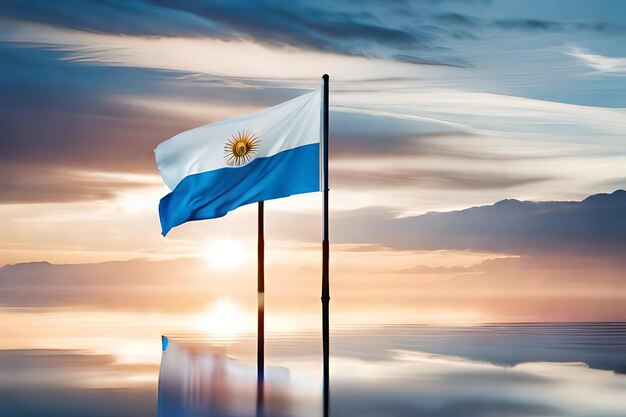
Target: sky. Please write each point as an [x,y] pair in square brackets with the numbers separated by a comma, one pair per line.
[477,153]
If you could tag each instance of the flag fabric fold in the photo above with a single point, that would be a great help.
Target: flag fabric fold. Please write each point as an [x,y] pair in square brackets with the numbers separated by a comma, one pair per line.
[216,168]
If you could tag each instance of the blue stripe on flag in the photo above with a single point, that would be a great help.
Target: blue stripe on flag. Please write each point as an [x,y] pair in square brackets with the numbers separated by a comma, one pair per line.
[212,194]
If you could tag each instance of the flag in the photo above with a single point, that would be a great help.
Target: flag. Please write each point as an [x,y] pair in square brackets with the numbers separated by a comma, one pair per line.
[216,168]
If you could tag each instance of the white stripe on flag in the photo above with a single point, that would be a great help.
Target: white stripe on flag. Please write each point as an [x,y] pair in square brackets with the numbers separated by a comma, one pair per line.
[286,126]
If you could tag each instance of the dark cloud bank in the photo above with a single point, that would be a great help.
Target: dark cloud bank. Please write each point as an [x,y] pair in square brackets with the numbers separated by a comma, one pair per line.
[596,225]
[347,29]
[414,32]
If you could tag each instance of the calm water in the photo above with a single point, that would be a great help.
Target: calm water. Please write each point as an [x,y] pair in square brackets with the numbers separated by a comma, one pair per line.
[488,370]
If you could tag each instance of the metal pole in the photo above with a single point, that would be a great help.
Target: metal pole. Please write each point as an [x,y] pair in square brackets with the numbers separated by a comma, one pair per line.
[325,255]
[261,311]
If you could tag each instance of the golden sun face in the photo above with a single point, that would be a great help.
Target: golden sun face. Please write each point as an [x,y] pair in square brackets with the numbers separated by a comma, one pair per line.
[240,148]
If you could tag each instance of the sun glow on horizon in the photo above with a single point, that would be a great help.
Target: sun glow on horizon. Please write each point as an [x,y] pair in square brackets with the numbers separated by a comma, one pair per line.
[224,320]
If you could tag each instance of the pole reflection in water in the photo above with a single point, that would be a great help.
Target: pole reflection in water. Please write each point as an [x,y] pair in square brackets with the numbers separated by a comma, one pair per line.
[197,379]
[260,398]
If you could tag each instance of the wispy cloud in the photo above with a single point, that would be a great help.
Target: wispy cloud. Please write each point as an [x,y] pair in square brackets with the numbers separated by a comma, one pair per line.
[600,63]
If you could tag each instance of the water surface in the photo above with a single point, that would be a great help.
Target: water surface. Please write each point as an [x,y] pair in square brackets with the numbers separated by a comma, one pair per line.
[488,370]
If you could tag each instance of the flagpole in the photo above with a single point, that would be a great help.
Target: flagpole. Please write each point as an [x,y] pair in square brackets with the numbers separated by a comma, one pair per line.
[261,310]
[325,255]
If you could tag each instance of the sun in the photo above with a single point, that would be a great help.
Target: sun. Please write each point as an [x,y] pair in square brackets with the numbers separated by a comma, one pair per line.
[240,148]
[225,254]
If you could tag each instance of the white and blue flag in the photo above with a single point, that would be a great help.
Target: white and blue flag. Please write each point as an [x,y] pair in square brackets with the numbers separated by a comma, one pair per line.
[216,168]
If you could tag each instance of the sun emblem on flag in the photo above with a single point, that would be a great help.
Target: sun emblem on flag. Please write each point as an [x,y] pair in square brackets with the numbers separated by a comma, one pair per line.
[240,148]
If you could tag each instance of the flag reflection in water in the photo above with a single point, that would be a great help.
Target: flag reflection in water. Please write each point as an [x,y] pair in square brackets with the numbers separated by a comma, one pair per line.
[198,379]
